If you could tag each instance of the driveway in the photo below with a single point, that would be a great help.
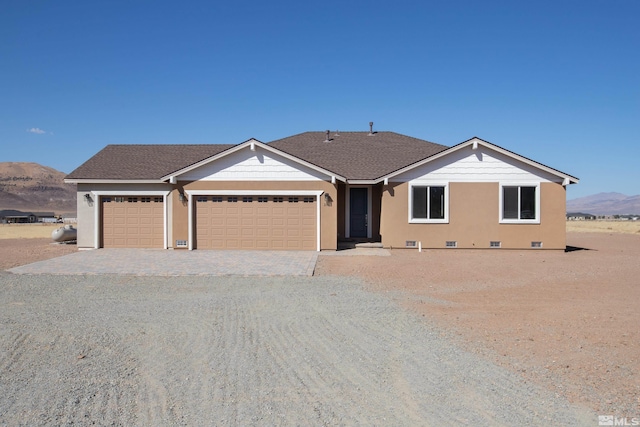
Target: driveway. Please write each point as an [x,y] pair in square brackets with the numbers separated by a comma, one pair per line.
[158,262]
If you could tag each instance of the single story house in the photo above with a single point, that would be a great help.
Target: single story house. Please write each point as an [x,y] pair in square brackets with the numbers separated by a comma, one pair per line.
[19,217]
[310,191]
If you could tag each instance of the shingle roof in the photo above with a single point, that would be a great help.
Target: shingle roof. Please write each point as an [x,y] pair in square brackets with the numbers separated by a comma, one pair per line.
[358,155]
[354,155]
[142,162]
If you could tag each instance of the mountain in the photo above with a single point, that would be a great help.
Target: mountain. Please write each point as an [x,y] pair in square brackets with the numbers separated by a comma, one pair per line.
[606,204]
[33,187]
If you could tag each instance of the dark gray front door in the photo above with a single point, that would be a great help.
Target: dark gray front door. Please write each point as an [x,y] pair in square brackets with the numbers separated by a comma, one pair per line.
[358,206]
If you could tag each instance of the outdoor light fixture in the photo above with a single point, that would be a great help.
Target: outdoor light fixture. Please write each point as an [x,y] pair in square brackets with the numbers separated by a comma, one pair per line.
[181,197]
[88,198]
[327,198]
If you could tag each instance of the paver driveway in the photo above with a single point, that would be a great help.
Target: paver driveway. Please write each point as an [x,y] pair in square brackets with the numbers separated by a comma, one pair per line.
[158,262]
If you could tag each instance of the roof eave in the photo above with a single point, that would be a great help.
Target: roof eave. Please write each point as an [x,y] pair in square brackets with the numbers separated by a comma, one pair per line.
[111,181]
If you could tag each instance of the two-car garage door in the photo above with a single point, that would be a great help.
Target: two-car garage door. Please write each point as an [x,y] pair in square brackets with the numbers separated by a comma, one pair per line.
[256,222]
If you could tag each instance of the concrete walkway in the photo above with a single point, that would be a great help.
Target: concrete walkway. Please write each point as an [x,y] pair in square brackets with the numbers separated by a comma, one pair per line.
[159,262]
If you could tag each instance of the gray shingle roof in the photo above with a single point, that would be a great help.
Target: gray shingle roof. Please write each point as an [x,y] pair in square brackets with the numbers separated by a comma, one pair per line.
[143,162]
[354,155]
[358,155]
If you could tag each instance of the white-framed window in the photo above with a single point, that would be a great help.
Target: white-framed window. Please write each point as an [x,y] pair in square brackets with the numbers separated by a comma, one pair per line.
[428,203]
[520,203]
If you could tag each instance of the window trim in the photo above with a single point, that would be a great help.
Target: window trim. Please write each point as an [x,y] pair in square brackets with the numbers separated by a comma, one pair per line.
[503,220]
[444,220]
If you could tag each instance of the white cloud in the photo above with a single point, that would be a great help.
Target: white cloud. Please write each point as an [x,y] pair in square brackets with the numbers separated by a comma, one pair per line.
[36,130]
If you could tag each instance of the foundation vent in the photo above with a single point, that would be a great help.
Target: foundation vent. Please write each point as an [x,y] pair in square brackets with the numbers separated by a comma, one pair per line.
[536,244]
[451,244]
[411,244]
[495,244]
[181,243]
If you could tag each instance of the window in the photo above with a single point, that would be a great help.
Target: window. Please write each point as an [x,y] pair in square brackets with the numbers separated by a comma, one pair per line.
[308,199]
[216,199]
[428,203]
[232,199]
[145,199]
[247,199]
[293,200]
[132,199]
[201,199]
[278,199]
[157,199]
[263,199]
[520,203]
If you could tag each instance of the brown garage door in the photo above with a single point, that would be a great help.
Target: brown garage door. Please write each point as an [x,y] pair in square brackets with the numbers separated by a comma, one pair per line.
[256,222]
[132,222]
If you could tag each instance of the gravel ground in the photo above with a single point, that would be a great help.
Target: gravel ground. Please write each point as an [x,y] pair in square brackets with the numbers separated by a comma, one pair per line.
[122,350]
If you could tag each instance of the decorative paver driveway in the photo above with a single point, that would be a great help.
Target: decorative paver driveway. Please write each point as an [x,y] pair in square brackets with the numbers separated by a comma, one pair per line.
[158,262]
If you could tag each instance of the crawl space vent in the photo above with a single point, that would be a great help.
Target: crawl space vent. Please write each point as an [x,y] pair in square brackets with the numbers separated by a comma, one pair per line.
[411,244]
[536,244]
[181,243]
[451,244]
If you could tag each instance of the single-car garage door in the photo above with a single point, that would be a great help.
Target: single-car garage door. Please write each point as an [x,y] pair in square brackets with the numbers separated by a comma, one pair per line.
[132,222]
[256,222]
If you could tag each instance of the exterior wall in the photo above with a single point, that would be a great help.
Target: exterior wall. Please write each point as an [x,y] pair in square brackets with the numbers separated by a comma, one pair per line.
[474,219]
[86,210]
[328,212]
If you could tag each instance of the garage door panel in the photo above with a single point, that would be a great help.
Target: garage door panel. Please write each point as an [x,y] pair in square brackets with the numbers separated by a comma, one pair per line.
[128,223]
[252,222]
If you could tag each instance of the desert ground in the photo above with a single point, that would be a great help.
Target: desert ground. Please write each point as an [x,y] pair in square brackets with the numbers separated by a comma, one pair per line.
[566,321]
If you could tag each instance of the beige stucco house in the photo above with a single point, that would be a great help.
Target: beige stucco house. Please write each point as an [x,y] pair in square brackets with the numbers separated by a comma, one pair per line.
[312,190]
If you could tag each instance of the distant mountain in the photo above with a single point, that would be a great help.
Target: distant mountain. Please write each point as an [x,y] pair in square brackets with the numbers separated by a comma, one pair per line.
[33,187]
[606,204]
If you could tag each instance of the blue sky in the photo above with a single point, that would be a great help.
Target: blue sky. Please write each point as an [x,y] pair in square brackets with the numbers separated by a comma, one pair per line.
[556,81]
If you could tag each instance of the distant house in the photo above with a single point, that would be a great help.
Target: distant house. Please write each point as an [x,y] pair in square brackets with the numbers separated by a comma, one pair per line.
[10,216]
[311,190]
[579,216]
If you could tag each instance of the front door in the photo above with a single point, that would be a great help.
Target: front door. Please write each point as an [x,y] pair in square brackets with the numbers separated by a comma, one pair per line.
[358,219]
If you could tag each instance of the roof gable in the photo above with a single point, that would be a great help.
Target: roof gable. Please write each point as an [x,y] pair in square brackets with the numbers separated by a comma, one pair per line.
[221,163]
[478,160]
[258,164]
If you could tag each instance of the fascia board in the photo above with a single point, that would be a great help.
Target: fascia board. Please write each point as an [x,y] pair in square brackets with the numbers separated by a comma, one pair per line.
[363,181]
[254,192]
[470,142]
[113,181]
[257,143]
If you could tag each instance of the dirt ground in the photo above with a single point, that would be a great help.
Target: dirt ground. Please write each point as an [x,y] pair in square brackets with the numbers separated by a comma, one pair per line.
[15,252]
[569,321]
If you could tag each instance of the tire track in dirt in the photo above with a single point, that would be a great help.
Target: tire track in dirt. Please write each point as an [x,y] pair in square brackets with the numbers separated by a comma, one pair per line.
[304,351]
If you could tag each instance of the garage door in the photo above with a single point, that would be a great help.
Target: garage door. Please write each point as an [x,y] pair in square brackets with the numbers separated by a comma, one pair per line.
[132,222]
[256,222]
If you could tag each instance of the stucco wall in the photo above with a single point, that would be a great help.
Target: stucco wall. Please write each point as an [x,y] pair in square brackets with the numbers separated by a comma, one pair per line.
[87,209]
[473,219]
[328,212]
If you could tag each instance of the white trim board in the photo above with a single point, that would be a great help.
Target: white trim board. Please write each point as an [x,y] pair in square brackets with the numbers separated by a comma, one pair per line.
[96,214]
